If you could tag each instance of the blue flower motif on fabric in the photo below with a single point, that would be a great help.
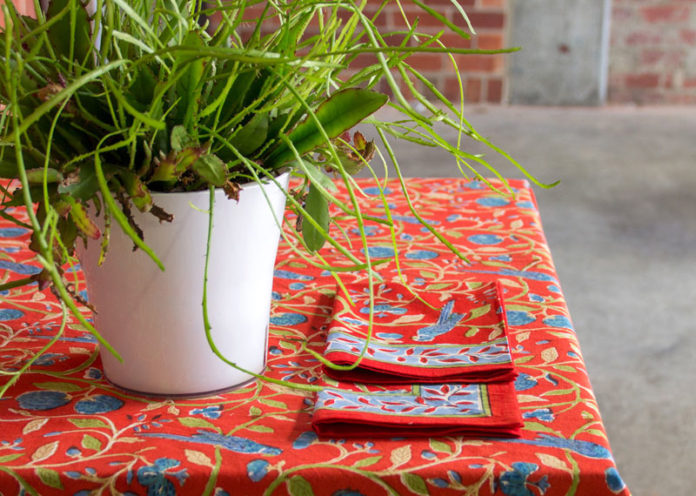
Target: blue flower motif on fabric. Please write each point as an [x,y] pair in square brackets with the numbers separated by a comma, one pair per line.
[485,239]
[100,403]
[412,220]
[519,318]
[354,322]
[154,477]
[528,274]
[475,184]
[73,451]
[428,455]
[543,414]
[446,321]
[10,314]
[12,445]
[304,440]
[440,482]
[236,444]
[614,481]
[49,359]
[426,356]
[28,270]
[369,231]
[426,400]
[296,286]
[286,274]
[211,412]
[525,274]
[93,373]
[421,255]
[12,232]
[257,469]
[42,400]
[584,448]
[380,251]
[288,319]
[501,258]
[514,482]
[558,321]
[524,204]
[524,382]
[383,310]
[492,201]
[377,191]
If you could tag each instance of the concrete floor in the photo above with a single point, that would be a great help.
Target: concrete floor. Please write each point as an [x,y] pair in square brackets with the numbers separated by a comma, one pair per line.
[622,230]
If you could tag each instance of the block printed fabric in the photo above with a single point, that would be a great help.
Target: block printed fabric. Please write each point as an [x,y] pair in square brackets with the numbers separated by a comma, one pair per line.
[64,429]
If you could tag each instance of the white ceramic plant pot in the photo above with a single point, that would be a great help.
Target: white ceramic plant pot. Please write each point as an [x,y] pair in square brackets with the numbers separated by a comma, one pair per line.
[154,319]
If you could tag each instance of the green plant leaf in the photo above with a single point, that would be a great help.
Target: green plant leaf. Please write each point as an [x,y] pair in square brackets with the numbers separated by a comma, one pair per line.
[79,216]
[85,187]
[299,486]
[236,96]
[8,170]
[252,135]
[190,84]
[179,138]
[211,169]
[137,191]
[339,113]
[318,208]
[72,31]
[316,176]
[142,89]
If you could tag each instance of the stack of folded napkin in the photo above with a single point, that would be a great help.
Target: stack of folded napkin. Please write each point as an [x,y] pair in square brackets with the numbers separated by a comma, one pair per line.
[437,364]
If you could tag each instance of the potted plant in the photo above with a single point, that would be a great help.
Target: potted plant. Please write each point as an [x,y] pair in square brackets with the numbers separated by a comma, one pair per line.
[114,109]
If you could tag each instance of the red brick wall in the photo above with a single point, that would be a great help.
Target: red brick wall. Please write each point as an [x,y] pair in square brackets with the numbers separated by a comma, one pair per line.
[483,76]
[653,52]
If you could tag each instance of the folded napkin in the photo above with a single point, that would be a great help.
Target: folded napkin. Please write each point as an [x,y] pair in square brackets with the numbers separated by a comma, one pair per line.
[469,410]
[463,338]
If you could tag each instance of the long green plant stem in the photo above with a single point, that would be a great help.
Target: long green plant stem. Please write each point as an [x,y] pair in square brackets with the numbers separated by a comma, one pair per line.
[206,318]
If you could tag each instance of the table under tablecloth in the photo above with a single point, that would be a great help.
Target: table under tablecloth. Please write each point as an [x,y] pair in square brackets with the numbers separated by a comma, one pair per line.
[64,429]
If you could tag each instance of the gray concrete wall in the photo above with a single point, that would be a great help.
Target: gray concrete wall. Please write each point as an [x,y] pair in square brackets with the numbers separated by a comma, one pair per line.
[564,55]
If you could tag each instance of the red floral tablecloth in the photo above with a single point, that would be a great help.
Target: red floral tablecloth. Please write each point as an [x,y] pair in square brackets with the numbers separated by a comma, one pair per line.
[65,430]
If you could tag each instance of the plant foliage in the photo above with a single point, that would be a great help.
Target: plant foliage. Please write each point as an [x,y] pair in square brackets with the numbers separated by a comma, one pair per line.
[115,99]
